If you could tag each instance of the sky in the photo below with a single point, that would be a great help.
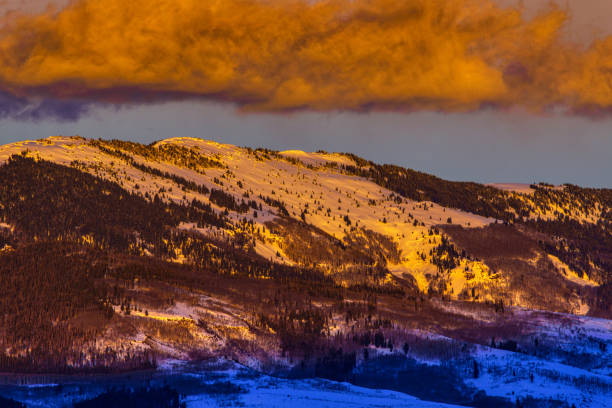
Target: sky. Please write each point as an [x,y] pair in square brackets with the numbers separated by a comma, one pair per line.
[462,89]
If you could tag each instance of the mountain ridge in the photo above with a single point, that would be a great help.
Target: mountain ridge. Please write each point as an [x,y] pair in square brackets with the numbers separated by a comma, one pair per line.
[190,249]
[518,207]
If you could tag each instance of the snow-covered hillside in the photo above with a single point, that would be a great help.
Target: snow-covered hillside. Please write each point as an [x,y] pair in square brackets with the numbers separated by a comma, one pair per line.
[311,186]
[303,265]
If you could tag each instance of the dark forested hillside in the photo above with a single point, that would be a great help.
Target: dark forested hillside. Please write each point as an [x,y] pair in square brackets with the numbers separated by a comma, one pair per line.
[46,285]
[48,201]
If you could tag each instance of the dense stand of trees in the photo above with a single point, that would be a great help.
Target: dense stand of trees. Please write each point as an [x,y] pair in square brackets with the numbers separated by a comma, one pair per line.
[9,403]
[472,197]
[49,201]
[55,304]
[163,397]
[360,258]
[481,199]
[445,256]
[521,253]
[586,248]
[181,181]
[226,200]
[180,156]
[272,202]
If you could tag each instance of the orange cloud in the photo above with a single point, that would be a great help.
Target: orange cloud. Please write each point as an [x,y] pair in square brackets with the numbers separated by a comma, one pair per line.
[266,55]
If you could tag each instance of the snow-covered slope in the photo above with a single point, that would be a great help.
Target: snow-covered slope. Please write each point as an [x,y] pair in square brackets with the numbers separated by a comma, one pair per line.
[437,283]
[312,187]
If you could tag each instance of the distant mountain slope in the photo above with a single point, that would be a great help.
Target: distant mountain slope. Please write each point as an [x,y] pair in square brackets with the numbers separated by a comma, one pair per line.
[188,248]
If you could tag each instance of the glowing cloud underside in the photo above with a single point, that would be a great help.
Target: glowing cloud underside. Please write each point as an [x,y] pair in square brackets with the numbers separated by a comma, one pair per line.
[448,55]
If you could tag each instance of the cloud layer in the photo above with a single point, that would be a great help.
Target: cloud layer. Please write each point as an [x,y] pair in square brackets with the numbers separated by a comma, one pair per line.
[284,55]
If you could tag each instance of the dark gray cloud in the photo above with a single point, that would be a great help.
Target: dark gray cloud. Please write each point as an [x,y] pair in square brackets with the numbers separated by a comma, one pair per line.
[22,109]
[10,105]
